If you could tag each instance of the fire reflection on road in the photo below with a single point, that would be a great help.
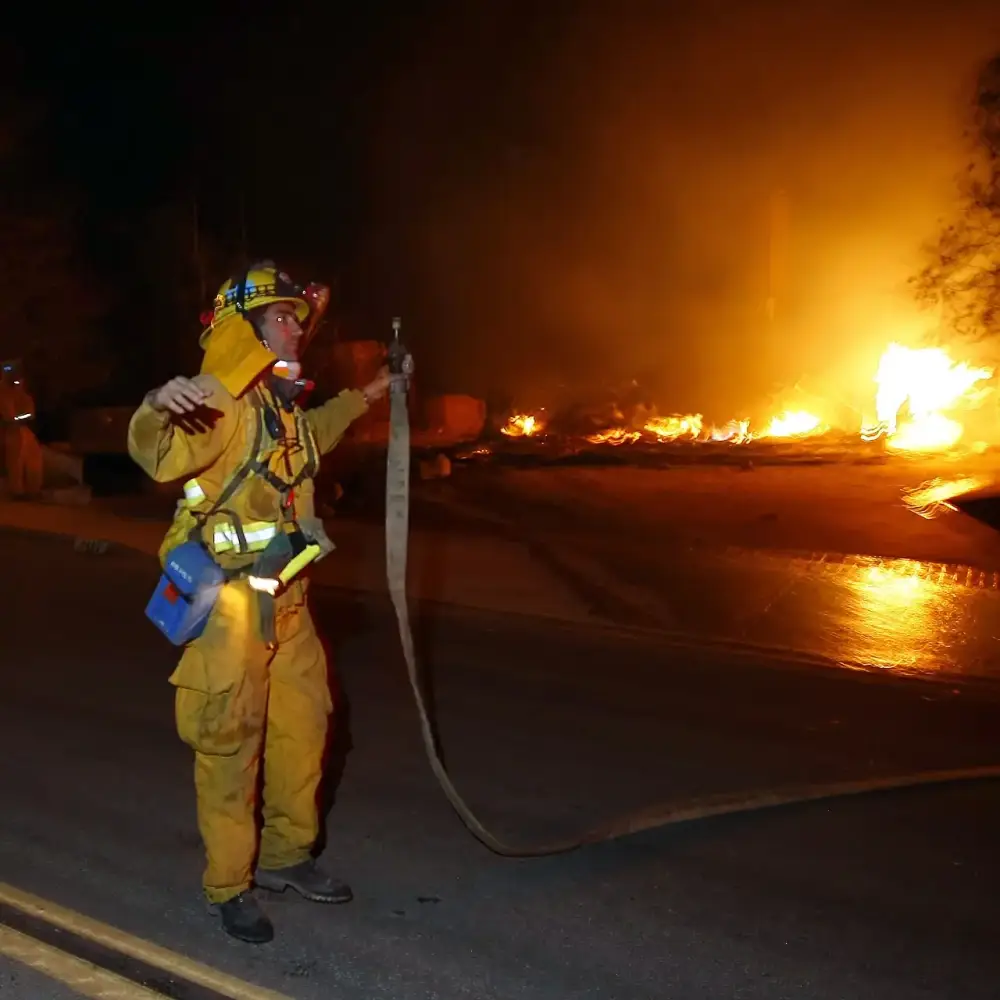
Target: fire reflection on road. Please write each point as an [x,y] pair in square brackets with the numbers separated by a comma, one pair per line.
[900,615]
[882,614]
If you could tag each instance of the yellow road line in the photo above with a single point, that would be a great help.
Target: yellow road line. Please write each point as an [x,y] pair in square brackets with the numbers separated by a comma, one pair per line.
[135,947]
[79,975]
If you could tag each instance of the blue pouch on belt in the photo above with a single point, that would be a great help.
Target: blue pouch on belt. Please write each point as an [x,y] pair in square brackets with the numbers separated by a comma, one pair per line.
[186,593]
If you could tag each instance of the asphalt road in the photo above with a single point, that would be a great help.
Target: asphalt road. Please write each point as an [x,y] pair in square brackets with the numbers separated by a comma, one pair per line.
[688,553]
[840,508]
[548,730]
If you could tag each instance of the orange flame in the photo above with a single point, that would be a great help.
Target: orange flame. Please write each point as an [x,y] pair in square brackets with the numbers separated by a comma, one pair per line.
[929,384]
[925,384]
[522,425]
[793,424]
[615,436]
[673,428]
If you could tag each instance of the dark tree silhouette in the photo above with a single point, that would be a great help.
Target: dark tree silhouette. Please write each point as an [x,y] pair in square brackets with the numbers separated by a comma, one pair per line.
[51,304]
[962,275]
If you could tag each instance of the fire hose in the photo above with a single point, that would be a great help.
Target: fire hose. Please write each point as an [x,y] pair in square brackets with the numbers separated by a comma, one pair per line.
[664,814]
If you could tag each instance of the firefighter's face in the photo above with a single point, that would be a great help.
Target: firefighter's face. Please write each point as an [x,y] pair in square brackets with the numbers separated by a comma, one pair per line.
[281,330]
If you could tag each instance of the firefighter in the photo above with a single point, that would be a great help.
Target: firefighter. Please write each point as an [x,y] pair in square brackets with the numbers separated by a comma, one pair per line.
[22,452]
[251,692]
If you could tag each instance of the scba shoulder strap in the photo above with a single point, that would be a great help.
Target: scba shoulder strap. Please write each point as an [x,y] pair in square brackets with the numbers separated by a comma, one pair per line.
[239,475]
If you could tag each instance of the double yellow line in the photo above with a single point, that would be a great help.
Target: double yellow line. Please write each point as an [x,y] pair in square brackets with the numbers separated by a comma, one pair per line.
[91,980]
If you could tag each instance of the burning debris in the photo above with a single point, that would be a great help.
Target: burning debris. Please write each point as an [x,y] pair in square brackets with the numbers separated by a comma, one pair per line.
[523,425]
[919,392]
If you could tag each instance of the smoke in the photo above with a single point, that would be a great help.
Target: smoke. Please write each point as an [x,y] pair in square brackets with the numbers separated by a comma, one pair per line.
[584,197]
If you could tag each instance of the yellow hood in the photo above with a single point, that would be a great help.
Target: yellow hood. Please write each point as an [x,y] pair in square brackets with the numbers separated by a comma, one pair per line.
[234,355]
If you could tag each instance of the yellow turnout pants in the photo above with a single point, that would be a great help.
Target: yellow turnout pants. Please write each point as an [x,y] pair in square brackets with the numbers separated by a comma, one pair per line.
[238,701]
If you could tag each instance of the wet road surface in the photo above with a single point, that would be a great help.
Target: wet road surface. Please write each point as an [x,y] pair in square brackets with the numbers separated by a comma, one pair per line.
[737,568]
[899,615]
[548,730]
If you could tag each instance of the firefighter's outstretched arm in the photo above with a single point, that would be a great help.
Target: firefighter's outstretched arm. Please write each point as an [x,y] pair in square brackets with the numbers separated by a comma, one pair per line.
[181,427]
[330,421]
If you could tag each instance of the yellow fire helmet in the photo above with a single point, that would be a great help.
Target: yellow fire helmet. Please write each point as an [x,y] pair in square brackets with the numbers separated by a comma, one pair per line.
[233,351]
[262,285]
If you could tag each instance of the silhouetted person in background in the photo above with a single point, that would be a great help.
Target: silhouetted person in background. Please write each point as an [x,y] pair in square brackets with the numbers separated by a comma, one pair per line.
[22,452]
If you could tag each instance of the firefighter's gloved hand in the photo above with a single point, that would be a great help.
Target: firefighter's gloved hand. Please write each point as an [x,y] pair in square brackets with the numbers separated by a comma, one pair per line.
[378,386]
[179,395]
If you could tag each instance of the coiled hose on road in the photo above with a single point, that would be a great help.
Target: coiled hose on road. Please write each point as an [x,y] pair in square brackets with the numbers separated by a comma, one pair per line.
[397,516]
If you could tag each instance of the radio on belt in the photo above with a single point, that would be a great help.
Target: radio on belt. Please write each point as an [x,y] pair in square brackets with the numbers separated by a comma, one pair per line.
[187,592]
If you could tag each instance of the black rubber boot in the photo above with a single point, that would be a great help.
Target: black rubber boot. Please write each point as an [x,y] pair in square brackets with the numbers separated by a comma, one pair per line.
[243,918]
[308,880]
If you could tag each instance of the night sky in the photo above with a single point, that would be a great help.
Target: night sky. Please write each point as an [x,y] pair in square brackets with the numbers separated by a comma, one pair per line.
[248,130]
[270,107]
[552,195]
